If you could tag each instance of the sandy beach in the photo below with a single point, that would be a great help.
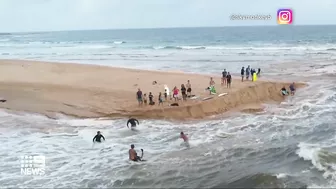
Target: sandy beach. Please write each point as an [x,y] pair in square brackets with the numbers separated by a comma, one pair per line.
[90,91]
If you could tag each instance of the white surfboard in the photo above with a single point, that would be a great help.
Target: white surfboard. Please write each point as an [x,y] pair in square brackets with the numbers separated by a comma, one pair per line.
[207,98]
[223,94]
[194,97]
[167,89]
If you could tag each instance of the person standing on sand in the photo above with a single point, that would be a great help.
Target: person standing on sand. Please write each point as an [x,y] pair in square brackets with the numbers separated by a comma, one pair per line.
[292,88]
[248,70]
[145,99]
[188,88]
[252,73]
[184,92]
[212,82]
[151,102]
[175,93]
[139,96]
[242,72]
[160,99]
[165,95]
[259,70]
[228,80]
[224,74]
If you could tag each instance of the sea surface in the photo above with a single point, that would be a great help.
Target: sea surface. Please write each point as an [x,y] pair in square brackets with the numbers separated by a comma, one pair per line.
[288,145]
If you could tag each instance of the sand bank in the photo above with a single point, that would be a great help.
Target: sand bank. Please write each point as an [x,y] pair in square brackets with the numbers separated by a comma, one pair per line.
[89,91]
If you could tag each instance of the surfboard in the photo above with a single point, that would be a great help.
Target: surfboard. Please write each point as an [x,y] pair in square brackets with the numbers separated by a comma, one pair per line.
[194,97]
[207,98]
[166,89]
[223,94]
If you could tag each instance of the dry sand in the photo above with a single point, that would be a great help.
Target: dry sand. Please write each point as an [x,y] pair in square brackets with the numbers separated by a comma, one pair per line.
[89,91]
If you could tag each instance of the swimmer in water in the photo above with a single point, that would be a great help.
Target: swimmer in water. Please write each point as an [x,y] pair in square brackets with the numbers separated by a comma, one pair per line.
[185,138]
[133,156]
[133,122]
[98,137]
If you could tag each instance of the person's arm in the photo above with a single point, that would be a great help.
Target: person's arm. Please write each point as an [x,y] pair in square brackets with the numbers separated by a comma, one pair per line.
[128,123]
[137,121]
[94,138]
[141,153]
[103,137]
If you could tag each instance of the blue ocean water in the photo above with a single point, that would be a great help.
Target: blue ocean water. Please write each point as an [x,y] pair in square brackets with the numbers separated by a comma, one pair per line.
[290,145]
[176,46]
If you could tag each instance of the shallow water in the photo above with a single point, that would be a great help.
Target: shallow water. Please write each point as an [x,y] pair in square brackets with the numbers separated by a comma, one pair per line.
[288,145]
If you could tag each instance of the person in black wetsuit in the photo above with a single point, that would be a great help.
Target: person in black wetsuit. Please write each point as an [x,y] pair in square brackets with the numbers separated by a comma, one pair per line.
[133,122]
[98,137]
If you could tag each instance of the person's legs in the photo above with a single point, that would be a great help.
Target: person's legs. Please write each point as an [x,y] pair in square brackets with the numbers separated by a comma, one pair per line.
[138,158]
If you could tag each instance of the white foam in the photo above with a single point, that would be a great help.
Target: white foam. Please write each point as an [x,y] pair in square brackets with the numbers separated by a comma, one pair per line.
[313,153]
[281,175]
[119,42]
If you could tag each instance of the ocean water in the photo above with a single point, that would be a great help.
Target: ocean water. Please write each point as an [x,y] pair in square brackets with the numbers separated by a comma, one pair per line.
[288,145]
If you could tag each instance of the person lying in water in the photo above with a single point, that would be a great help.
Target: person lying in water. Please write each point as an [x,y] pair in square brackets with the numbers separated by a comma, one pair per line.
[133,156]
[98,137]
[133,122]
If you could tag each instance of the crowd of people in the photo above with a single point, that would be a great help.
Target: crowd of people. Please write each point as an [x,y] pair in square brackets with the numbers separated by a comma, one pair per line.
[246,73]
[133,156]
[185,89]
[185,93]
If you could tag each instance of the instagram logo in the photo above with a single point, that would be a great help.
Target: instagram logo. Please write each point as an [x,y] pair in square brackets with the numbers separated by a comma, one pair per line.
[285,16]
